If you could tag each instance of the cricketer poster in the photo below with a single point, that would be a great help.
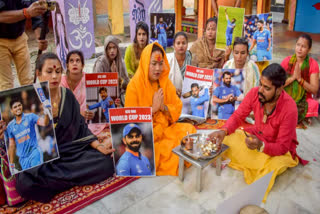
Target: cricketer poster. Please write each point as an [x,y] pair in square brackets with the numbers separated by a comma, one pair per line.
[227,85]
[140,11]
[258,29]
[230,23]
[29,137]
[162,27]
[132,139]
[195,92]
[101,95]
[73,28]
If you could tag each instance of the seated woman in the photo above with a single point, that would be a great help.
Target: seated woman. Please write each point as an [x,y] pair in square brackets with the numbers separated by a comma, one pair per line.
[179,60]
[133,51]
[111,61]
[303,78]
[75,81]
[83,160]
[151,87]
[204,53]
[241,61]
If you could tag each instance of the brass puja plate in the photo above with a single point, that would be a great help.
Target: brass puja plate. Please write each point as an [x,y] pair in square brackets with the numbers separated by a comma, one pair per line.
[202,148]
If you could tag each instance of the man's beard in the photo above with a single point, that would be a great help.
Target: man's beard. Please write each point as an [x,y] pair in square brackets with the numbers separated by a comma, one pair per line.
[227,84]
[136,148]
[266,101]
[195,95]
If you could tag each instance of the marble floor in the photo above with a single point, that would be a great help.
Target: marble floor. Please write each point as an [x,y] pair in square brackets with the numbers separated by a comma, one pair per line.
[296,191]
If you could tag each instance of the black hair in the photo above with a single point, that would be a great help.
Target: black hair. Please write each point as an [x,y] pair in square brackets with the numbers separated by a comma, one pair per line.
[142,25]
[212,19]
[194,85]
[226,73]
[15,100]
[103,89]
[157,48]
[276,74]
[181,33]
[241,41]
[42,59]
[307,37]
[79,53]
[261,21]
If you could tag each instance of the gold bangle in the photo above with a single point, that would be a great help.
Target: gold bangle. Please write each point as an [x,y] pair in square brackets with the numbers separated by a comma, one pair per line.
[301,82]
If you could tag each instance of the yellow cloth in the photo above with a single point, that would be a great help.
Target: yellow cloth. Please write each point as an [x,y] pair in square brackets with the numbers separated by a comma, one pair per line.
[167,134]
[131,61]
[262,65]
[255,164]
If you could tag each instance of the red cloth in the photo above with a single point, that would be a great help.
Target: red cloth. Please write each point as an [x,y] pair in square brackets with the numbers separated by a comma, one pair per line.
[279,131]
[313,105]
[2,193]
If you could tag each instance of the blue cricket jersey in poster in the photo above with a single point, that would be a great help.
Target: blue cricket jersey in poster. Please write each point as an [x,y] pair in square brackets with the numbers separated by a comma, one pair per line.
[105,105]
[230,27]
[131,165]
[262,39]
[221,92]
[197,104]
[162,28]
[25,137]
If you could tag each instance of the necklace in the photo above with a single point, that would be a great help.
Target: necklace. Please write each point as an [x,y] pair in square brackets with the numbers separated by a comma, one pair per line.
[266,114]
[55,103]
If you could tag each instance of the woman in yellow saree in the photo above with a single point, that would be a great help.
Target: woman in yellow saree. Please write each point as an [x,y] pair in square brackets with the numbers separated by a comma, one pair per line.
[151,87]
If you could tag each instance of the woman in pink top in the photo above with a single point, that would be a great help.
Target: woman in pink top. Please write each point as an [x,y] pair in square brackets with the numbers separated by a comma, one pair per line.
[75,81]
[303,78]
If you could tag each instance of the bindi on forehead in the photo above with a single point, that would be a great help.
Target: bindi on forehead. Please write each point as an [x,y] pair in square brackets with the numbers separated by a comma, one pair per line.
[158,57]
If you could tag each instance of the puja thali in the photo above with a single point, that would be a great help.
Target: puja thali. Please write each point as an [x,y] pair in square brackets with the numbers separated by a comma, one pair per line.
[199,146]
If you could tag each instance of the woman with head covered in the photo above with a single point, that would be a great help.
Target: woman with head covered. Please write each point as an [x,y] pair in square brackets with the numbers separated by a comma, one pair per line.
[151,87]
[111,61]
[303,78]
[204,53]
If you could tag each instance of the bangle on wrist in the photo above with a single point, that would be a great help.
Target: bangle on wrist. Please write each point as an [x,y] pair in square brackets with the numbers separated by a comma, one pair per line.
[26,14]
[301,82]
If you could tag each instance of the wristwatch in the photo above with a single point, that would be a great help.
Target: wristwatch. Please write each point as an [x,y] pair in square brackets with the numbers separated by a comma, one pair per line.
[261,148]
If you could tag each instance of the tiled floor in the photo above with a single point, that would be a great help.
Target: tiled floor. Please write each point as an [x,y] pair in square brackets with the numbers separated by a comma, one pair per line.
[296,191]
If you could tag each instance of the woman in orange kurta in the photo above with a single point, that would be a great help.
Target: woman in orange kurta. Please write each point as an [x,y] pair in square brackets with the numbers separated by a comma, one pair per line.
[151,87]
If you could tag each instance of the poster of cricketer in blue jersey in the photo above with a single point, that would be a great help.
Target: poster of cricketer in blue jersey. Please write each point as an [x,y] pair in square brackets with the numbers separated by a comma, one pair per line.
[230,24]
[196,92]
[227,85]
[102,94]
[162,26]
[132,140]
[29,136]
[258,29]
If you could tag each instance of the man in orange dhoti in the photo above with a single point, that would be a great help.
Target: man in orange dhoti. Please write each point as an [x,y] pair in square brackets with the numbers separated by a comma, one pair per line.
[151,87]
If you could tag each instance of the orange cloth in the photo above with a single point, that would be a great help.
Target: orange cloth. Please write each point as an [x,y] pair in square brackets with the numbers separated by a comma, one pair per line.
[228,3]
[166,133]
